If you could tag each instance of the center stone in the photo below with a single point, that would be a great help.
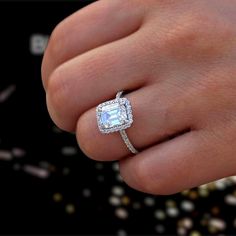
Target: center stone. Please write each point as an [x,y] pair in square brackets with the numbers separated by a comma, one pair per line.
[113,115]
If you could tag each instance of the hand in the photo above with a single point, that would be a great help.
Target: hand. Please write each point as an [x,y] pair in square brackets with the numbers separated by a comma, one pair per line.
[177,59]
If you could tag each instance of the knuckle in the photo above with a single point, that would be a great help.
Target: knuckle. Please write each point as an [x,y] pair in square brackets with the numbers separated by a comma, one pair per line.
[57,96]
[92,67]
[57,88]
[57,41]
[84,139]
[187,34]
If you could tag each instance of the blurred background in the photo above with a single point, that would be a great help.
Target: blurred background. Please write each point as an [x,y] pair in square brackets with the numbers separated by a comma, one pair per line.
[47,186]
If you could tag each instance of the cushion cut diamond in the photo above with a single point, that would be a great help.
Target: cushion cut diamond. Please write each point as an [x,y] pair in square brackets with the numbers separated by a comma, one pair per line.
[114,115]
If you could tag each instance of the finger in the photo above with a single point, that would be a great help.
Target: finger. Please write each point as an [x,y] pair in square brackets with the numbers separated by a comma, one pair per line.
[86,80]
[91,27]
[157,116]
[186,161]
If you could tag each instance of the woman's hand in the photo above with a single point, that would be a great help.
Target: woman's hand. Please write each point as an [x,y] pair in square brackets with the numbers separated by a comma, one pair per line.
[177,59]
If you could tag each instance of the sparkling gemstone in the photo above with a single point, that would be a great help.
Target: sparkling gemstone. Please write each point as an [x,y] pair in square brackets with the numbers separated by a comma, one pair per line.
[113,115]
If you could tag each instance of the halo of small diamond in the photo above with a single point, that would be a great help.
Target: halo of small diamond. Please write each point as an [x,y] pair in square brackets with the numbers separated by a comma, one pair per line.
[122,102]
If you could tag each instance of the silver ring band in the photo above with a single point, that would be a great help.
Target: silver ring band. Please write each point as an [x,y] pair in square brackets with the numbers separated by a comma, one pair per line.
[116,115]
[126,140]
[123,133]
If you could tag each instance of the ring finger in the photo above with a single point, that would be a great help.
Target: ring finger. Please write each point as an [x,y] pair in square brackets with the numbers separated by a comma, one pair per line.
[158,115]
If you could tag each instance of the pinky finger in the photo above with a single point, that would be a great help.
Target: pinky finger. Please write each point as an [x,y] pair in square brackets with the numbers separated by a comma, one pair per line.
[181,163]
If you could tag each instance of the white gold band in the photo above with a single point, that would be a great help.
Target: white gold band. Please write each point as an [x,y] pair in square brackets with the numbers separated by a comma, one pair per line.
[126,140]
[123,133]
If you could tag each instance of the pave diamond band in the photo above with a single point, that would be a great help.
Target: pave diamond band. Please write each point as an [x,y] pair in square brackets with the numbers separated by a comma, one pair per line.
[129,145]
[116,115]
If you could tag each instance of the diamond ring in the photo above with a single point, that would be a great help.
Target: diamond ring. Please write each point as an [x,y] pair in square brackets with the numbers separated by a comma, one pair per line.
[116,115]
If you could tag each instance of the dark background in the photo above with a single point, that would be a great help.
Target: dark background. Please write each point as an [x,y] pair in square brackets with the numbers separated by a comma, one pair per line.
[47,186]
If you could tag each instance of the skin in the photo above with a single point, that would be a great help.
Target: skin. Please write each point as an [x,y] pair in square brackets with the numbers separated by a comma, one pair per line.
[176,61]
